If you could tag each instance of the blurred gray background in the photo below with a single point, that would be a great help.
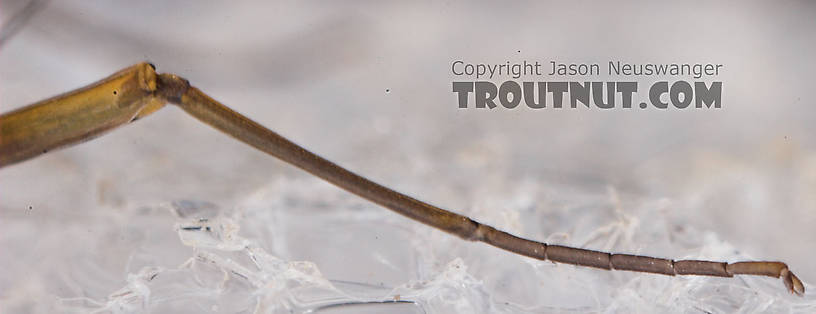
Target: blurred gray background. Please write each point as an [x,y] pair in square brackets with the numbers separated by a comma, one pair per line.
[368,85]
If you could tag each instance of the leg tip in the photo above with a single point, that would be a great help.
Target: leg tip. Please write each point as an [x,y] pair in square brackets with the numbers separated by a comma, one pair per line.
[793,283]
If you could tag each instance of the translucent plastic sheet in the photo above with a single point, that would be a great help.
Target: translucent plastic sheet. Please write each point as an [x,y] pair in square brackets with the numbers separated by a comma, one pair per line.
[367,259]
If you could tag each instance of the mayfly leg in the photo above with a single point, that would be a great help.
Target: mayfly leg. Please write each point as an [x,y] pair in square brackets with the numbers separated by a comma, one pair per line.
[79,115]
[137,91]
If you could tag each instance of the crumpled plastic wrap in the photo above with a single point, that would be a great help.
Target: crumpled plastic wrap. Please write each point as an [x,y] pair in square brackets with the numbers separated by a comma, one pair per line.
[245,259]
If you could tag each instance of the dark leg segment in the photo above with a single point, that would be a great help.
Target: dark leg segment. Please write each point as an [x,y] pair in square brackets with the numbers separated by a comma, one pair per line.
[209,111]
